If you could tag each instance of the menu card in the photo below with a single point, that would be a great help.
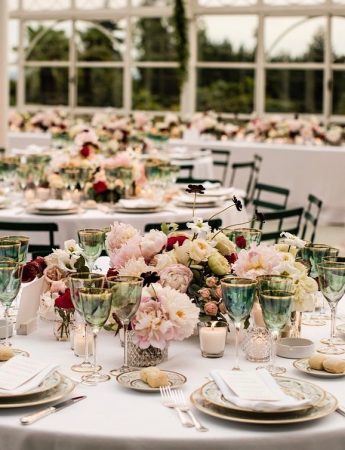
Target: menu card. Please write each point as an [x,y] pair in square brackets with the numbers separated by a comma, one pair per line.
[19,370]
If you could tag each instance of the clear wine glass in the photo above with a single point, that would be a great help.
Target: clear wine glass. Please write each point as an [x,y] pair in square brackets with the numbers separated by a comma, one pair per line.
[10,281]
[276,308]
[24,245]
[91,240]
[275,282]
[125,303]
[77,281]
[96,304]
[238,298]
[250,235]
[332,285]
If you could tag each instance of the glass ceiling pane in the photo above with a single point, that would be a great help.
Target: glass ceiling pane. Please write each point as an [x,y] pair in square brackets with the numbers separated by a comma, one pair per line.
[227,38]
[294,39]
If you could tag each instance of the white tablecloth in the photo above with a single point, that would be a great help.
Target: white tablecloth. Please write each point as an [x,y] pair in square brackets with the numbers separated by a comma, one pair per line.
[20,140]
[115,418]
[301,168]
[94,218]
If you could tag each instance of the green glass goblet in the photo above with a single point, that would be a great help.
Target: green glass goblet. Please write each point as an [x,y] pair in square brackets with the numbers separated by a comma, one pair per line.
[275,283]
[77,281]
[243,238]
[332,285]
[276,308]
[96,304]
[10,248]
[125,303]
[24,245]
[238,298]
[10,281]
[91,240]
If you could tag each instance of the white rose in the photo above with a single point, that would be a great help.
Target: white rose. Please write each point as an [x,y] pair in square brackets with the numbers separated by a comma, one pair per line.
[200,250]
[182,252]
[223,243]
[308,284]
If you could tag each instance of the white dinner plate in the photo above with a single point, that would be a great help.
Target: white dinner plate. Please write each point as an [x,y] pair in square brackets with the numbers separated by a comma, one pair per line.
[52,212]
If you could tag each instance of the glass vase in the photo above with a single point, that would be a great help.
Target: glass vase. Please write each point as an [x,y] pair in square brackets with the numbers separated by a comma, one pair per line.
[150,356]
[62,323]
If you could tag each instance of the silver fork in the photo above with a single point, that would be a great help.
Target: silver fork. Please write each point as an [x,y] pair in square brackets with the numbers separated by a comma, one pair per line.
[169,402]
[181,402]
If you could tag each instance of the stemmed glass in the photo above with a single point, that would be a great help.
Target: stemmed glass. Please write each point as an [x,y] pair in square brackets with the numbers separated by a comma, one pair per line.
[91,240]
[275,283]
[10,248]
[125,303]
[332,285]
[276,309]
[96,304]
[111,174]
[24,245]
[10,281]
[250,235]
[77,281]
[238,298]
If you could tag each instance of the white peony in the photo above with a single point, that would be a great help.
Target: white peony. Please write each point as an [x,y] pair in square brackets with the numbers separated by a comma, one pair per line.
[134,268]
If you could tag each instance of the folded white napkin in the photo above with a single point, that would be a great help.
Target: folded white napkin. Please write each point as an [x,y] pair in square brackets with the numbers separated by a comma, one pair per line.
[56,204]
[209,185]
[280,400]
[21,374]
[139,203]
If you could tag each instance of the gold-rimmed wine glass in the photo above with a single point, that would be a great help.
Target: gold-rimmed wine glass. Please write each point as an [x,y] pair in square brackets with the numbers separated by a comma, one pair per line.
[126,297]
[96,304]
[91,241]
[24,245]
[10,248]
[275,283]
[77,281]
[276,308]
[332,285]
[243,238]
[238,298]
[10,282]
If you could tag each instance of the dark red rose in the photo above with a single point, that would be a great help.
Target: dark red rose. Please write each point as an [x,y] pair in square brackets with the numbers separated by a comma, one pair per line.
[85,151]
[39,263]
[232,258]
[112,272]
[241,242]
[100,187]
[64,301]
[29,272]
[173,240]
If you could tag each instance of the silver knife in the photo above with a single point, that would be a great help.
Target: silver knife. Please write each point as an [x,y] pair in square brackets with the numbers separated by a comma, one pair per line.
[31,418]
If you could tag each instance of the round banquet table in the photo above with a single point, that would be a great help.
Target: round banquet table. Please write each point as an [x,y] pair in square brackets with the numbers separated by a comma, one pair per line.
[113,417]
[95,218]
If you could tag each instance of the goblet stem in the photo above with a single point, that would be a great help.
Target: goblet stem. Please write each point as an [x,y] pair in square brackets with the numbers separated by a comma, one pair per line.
[125,347]
[237,336]
[86,353]
[7,342]
[333,316]
[95,332]
[274,334]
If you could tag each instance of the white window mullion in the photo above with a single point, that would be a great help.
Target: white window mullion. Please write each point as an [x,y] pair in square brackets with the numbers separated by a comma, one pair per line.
[327,74]
[21,67]
[259,99]
[72,71]
[127,72]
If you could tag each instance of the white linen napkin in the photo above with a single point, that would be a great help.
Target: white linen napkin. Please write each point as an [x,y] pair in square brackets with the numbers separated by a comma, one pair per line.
[280,399]
[56,204]
[21,374]
[139,203]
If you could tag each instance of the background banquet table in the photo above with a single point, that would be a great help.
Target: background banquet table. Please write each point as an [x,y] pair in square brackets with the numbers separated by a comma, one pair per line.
[304,169]
[95,218]
[20,140]
[113,417]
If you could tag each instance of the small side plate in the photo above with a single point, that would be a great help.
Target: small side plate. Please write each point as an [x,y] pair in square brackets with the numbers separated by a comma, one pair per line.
[303,366]
[132,380]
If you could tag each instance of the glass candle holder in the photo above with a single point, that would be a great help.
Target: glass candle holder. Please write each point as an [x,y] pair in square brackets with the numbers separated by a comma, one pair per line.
[212,336]
[79,341]
[257,344]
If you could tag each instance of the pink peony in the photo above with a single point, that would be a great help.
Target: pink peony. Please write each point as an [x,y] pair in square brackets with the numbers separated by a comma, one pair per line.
[118,235]
[122,159]
[152,244]
[131,249]
[177,276]
[258,260]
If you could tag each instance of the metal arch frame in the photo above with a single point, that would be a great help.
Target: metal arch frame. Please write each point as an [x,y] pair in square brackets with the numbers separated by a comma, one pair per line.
[327,9]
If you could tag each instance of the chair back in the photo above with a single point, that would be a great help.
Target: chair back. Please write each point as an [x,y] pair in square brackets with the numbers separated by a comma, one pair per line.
[292,217]
[33,227]
[191,180]
[249,166]
[267,196]
[311,217]
[221,158]
[214,224]
[187,170]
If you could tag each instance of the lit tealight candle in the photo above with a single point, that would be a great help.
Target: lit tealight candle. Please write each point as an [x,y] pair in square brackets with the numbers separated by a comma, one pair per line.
[212,339]
[79,343]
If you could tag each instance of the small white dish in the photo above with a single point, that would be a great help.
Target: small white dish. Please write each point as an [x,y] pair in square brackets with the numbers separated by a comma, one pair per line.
[295,348]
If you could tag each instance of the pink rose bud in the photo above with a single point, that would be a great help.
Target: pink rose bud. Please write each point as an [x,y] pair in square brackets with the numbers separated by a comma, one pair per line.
[211,308]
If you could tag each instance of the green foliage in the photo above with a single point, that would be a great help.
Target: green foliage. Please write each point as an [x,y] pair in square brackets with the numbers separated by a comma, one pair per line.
[168,228]
[181,39]
[80,265]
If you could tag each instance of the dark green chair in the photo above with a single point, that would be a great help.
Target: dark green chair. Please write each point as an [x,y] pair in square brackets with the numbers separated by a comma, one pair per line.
[294,217]
[267,196]
[249,167]
[221,158]
[214,224]
[191,180]
[187,169]
[34,249]
[311,218]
